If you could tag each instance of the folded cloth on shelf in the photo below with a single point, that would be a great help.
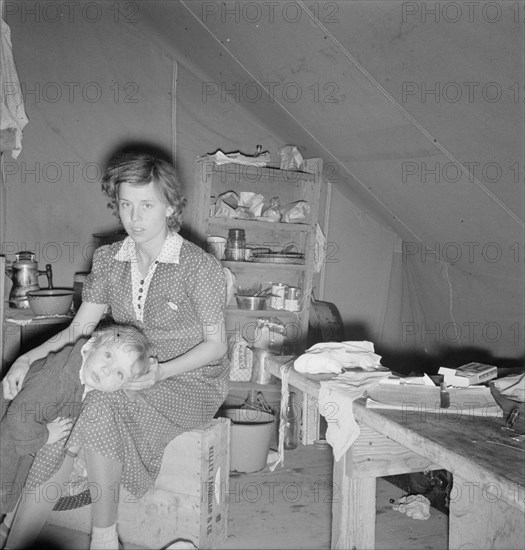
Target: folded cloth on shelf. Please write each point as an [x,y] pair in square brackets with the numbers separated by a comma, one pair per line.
[221,158]
[336,397]
[335,356]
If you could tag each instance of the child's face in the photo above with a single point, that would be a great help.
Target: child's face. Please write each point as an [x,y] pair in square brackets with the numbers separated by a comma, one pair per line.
[108,367]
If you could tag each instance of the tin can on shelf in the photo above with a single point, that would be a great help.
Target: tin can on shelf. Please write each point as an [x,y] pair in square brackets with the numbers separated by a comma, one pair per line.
[291,298]
[278,292]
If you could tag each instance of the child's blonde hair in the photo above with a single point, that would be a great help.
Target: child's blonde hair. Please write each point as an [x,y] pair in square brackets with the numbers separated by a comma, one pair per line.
[129,338]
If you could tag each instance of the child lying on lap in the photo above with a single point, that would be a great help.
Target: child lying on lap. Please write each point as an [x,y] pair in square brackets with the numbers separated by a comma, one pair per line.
[42,414]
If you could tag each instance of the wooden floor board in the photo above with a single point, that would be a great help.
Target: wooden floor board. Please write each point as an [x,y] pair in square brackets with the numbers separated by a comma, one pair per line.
[290,509]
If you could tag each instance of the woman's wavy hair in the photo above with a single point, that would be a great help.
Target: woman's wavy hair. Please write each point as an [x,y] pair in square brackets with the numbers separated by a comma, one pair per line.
[143,169]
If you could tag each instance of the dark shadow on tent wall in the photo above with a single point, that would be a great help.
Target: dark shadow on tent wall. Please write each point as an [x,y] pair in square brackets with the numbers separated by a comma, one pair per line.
[326,325]
[414,362]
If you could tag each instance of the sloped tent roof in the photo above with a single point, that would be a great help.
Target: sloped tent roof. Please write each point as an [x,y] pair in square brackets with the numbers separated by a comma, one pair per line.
[419,116]
[420,123]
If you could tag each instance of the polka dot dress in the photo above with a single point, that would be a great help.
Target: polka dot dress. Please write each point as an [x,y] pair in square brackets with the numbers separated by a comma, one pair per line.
[185,290]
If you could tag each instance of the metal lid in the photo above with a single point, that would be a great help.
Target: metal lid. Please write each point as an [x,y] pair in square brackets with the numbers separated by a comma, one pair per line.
[236,233]
[25,257]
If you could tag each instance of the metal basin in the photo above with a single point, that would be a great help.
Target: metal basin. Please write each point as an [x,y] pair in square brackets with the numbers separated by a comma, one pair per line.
[251,302]
[56,301]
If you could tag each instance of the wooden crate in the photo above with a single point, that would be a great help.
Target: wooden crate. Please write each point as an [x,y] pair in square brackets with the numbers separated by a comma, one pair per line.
[189,499]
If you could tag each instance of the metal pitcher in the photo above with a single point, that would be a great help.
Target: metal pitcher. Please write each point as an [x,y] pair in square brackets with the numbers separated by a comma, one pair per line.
[24,274]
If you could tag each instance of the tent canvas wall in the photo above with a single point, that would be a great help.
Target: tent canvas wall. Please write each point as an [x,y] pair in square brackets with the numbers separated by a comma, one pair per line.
[416,108]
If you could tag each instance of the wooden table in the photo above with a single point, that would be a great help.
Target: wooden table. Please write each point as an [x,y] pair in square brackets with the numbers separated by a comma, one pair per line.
[18,338]
[487,500]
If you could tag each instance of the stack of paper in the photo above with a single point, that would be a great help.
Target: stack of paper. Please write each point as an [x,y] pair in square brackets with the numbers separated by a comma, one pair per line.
[473,400]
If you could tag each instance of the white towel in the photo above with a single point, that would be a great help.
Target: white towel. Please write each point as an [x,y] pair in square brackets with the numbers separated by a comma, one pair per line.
[332,357]
[12,113]
[336,399]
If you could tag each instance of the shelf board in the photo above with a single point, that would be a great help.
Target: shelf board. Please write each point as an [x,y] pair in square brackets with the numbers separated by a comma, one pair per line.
[262,312]
[257,173]
[256,224]
[263,265]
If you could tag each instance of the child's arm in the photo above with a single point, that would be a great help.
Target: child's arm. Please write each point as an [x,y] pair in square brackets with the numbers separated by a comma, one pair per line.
[58,429]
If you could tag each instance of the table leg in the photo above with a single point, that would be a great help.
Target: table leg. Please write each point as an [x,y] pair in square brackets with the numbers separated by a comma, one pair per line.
[353,509]
[479,518]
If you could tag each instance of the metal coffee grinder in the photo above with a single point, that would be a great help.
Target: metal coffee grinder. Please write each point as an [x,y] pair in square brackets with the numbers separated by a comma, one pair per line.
[24,274]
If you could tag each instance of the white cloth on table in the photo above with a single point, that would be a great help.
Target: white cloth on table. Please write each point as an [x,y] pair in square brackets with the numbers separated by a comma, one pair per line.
[336,399]
[332,357]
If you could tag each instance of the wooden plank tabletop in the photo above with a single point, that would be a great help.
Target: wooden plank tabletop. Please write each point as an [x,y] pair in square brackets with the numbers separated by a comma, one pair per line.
[309,383]
[459,444]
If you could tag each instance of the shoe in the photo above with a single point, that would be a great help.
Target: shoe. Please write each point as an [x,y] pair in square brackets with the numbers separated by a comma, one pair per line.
[181,544]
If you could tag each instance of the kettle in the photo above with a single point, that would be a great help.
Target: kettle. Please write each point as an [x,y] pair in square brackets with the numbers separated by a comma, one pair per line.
[24,274]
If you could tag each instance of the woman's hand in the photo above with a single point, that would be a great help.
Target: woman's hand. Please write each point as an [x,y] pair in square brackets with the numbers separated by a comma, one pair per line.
[12,383]
[146,380]
[58,429]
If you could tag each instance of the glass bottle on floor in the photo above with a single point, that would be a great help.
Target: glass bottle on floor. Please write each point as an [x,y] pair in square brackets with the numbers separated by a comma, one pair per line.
[291,430]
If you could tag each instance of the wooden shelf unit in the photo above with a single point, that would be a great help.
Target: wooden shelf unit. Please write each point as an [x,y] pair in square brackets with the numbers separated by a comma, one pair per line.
[212,180]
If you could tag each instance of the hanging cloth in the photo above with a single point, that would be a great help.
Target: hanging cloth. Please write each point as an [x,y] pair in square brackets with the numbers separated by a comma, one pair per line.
[12,112]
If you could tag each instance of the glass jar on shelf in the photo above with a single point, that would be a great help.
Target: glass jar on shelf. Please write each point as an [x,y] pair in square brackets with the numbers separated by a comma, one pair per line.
[236,245]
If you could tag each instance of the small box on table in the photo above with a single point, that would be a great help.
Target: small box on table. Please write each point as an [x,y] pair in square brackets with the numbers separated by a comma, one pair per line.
[189,499]
[477,373]
[470,374]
